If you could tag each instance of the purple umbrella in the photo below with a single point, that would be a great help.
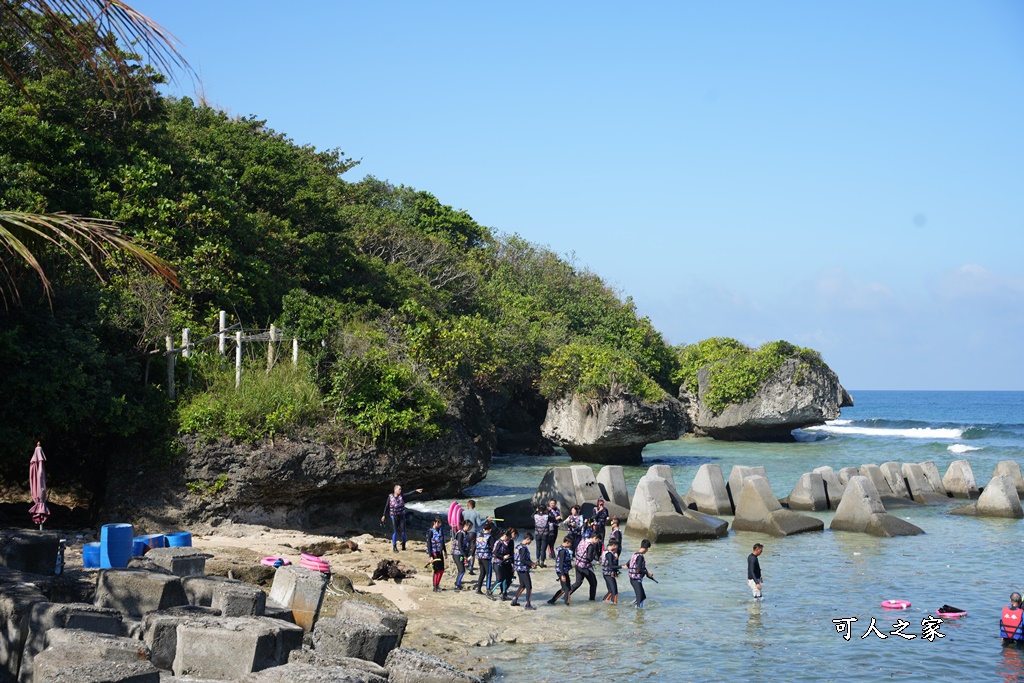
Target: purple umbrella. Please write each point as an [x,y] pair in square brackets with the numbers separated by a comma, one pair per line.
[37,482]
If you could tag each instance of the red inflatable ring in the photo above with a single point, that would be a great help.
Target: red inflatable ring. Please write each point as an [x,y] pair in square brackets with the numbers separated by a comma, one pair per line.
[895,604]
[275,562]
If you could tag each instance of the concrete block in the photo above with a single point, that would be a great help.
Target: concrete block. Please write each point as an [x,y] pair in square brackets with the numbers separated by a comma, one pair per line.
[137,591]
[229,597]
[611,480]
[663,471]
[809,493]
[878,480]
[29,550]
[301,591]
[845,473]
[931,472]
[708,491]
[759,510]
[411,666]
[735,484]
[89,646]
[364,612]
[309,673]
[833,487]
[354,637]
[585,484]
[180,561]
[47,616]
[558,485]
[374,672]
[861,510]
[918,485]
[959,480]
[1011,469]
[56,666]
[651,497]
[893,474]
[16,603]
[999,499]
[226,648]
[160,632]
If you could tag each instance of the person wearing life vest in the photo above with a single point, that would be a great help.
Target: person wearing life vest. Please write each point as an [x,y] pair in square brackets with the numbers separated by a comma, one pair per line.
[586,554]
[563,565]
[436,551]
[483,557]
[574,527]
[610,569]
[395,508]
[616,536]
[554,519]
[522,563]
[540,532]
[637,570]
[461,551]
[600,520]
[1011,624]
[501,560]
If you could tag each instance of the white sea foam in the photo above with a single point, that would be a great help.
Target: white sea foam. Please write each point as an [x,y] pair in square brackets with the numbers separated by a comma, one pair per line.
[962,448]
[912,433]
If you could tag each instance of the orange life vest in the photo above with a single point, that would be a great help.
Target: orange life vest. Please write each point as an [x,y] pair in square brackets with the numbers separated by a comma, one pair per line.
[1011,625]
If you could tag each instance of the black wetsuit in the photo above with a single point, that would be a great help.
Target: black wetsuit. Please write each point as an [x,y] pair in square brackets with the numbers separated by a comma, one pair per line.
[585,556]
[563,564]
[610,569]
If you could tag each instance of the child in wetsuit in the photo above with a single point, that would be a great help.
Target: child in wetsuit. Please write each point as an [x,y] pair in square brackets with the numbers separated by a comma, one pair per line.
[637,569]
[563,565]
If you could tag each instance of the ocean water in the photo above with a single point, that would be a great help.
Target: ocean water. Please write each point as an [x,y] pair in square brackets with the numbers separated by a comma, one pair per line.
[700,623]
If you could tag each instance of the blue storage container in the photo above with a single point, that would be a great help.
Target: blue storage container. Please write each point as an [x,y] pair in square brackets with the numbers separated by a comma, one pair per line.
[91,555]
[143,544]
[115,545]
[179,540]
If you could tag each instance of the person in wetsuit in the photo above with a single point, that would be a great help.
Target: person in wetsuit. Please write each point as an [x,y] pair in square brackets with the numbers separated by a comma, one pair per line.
[395,508]
[563,565]
[600,520]
[477,520]
[637,569]
[1011,623]
[483,557]
[540,532]
[616,536]
[436,552]
[610,569]
[462,550]
[554,519]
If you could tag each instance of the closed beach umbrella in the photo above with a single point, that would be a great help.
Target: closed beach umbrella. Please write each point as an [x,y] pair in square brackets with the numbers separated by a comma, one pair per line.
[37,482]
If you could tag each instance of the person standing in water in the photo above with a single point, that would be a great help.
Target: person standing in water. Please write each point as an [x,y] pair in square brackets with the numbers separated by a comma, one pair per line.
[754,579]
[563,565]
[1011,624]
[637,570]
[395,507]
[610,569]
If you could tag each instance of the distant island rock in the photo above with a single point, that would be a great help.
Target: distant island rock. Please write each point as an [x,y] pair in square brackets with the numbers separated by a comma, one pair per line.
[612,431]
[797,395]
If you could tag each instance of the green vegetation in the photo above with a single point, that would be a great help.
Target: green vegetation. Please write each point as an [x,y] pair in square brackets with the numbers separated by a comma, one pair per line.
[399,301]
[735,371]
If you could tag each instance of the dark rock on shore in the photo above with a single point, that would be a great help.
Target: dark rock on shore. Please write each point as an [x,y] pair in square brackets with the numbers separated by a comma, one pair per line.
[612,431]
[797,395]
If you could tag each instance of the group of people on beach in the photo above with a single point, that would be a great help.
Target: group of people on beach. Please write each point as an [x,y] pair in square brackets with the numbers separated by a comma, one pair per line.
[496,555]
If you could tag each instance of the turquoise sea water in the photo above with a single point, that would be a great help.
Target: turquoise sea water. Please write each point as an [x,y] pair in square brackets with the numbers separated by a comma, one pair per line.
[700,623]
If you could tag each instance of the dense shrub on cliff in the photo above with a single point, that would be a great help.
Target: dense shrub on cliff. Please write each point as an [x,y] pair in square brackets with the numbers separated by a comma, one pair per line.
[399,300]
[735,371]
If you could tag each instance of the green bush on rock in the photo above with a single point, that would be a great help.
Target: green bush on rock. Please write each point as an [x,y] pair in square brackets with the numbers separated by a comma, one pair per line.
[595,372]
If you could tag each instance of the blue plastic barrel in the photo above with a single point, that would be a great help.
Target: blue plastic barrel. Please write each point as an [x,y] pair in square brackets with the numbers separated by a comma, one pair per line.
[179,540]
[115,545]
[143,544]
[91,555]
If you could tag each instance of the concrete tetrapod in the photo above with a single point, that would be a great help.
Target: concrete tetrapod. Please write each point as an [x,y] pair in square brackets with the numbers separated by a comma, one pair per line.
[735,484]
[833,487]
[999,499]
[959,480]
[861,510]
[919,485]
[844,475]
[931,471]
[1011,469]
[611,480]
[808,493]
[759,510]
[894,477]
[708,492]
[657,515]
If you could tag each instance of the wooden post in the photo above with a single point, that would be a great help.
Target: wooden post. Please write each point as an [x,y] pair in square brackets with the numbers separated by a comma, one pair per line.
[222,340]
[238,359]
[170,367]
[186,343]
[295,351]
[271,351]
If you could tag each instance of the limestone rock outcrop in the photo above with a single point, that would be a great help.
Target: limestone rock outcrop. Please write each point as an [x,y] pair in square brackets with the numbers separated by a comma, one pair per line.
[759,510]
[861,510]
[797,395]
[612,431]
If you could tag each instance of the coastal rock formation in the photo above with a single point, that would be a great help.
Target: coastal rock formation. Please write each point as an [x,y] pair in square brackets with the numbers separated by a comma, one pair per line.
[759,510]
[999,499]
[797,395]
[861,510]
[708,493]
[959,480]
[613,431]
[660,514]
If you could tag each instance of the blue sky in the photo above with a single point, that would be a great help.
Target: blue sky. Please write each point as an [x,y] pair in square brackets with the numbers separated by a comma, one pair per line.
[845,176]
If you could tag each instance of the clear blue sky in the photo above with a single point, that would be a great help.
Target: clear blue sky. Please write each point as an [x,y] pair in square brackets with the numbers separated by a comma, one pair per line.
[847,176]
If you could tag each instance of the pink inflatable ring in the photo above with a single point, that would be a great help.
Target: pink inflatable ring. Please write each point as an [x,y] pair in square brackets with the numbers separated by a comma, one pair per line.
[275,562]
[895,604]
[314,563]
